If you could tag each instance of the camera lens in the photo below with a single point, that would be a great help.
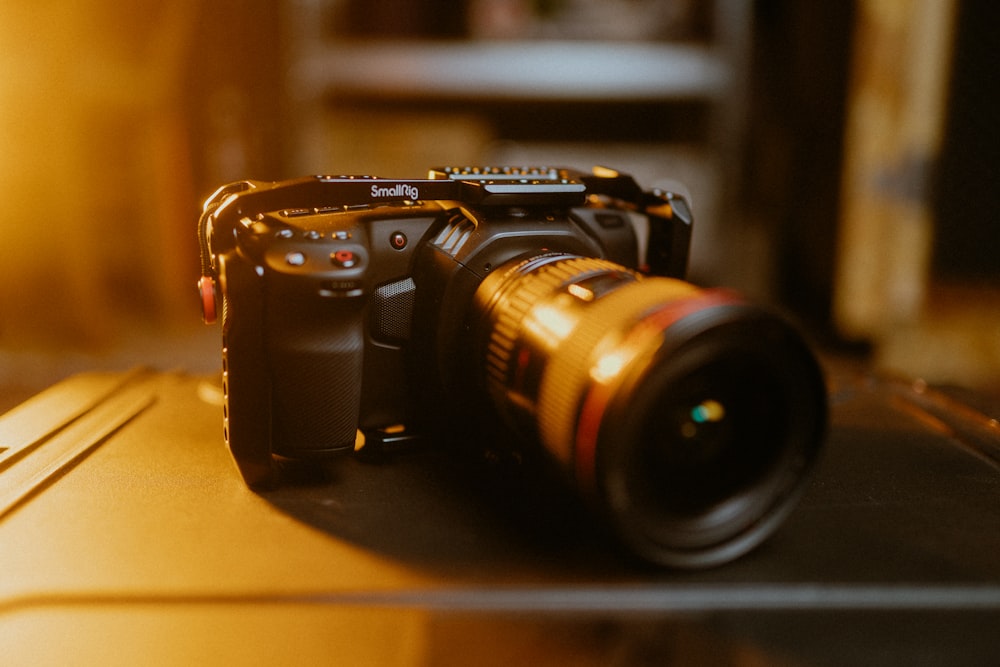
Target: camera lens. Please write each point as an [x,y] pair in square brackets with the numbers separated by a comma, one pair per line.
[688,416]
[708,435]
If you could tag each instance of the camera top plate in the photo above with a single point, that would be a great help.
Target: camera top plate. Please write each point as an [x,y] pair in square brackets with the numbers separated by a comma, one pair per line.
[515,186]
[482,186]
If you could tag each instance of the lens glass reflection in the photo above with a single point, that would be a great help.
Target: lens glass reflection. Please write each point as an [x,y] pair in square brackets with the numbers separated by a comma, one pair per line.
[709,435]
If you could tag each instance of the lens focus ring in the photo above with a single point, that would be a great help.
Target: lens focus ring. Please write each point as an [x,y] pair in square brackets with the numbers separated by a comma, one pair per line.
[525,286]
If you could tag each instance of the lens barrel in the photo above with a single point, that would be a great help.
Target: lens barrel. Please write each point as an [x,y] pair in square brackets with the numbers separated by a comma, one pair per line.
[689,417]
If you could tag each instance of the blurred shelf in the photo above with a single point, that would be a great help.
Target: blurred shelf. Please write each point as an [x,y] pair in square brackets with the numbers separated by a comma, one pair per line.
[519,70]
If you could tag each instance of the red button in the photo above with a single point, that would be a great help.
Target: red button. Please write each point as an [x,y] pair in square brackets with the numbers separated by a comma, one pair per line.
[345,259]
[206,286]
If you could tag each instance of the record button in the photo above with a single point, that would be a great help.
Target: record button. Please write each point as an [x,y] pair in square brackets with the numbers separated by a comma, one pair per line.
[344,259]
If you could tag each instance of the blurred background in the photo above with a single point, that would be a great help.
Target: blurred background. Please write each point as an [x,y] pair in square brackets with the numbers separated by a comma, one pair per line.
[841,157]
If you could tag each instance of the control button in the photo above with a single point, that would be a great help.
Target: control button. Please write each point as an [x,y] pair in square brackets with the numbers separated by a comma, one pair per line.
[344,259]
[314,235]
[285,233]
[295,259]
[206,287]
[398,240]
[342,236]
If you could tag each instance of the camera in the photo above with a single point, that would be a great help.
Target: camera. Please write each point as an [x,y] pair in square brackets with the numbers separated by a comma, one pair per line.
[544,304]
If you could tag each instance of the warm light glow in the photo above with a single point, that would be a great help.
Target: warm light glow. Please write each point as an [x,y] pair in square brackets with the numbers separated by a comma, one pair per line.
[605,172]
[549,322]
[581,292]
[95,153]
[609,366]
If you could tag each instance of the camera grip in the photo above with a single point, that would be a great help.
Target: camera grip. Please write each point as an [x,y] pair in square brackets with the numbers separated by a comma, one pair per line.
[245,383]
[315,350]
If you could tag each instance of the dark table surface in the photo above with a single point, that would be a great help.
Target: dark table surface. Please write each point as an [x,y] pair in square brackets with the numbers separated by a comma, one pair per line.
[126,532]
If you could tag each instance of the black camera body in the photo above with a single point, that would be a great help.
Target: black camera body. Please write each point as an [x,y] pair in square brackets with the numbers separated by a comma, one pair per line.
[321,296]
[360,311]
